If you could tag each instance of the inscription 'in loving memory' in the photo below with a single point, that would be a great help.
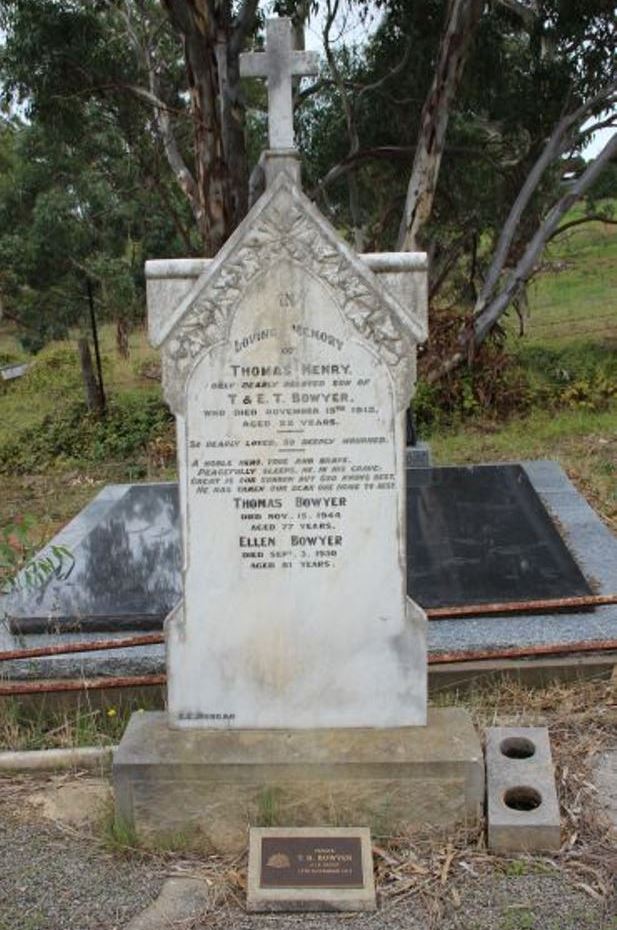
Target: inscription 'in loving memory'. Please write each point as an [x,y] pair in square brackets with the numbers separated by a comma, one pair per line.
[289,446]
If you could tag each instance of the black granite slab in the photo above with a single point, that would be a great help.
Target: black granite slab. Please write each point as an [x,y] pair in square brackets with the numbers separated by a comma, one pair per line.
[481,535]
[126,573]
[475,535]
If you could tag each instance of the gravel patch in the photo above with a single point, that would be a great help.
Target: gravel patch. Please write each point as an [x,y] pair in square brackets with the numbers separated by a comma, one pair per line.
[489,902]
[57,878]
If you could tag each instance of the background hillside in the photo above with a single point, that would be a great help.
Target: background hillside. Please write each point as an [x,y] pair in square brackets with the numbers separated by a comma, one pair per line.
[551,392]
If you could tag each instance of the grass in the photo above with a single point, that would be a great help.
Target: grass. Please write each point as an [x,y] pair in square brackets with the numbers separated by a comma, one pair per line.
[574,299]
[583,442]
[27,401]
[61,458]
[10,349]
[48,723]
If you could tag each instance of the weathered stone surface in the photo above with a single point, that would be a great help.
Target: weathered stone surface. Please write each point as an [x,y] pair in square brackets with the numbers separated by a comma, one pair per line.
[181,900]
[205,787]
[279,63]
[418,456]
[522,805]
[304,895]
[289,367]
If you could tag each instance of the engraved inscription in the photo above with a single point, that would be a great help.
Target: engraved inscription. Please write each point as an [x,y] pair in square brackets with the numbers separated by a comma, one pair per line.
[311,862]
[292,445]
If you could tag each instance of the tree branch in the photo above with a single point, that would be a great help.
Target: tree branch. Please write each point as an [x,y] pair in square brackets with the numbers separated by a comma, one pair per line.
[349,163]
[595,218]
[350,121]
[527,11]
[142,93]
[244,22]
[162,122]
[461,22]
[556,145]
[473,335]
[369,88]
[487,317]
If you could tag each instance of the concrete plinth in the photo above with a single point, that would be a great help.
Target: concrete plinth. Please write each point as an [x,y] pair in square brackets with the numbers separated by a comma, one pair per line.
[204,788]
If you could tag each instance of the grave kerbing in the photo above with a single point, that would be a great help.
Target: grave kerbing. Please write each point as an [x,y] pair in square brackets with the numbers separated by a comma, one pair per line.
[289,362]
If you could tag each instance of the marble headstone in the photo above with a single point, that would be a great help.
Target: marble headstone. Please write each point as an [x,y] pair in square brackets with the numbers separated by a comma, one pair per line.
[296,665]
[289,367]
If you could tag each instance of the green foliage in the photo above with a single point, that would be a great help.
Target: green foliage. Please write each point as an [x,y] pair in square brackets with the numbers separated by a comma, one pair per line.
[579,376]
[18,569]
[493,383]
[84,195]
[518,81]
[23,572]
[576,376]
[74,436]
[15,545]
[55,369]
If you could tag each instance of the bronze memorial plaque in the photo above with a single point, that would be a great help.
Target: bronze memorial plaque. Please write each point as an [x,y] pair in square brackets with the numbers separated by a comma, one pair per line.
[318,868]
[311,862]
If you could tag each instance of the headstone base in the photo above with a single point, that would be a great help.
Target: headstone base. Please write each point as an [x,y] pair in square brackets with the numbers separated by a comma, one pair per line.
[202,789]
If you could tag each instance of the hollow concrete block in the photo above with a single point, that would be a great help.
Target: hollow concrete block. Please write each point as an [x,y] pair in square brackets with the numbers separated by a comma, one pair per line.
[522,805]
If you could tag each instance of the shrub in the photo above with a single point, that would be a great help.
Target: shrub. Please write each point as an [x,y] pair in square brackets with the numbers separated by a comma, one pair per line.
[133,421]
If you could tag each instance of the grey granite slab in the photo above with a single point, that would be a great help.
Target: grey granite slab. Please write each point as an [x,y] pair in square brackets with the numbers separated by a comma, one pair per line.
[595,549]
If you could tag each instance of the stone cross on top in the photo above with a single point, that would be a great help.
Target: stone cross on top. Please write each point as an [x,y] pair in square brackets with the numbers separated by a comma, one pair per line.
[279,64]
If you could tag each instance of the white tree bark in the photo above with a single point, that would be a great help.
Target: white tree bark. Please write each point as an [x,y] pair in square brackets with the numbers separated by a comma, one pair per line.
[472,336]
[462,19]
[488,316]
[560,140]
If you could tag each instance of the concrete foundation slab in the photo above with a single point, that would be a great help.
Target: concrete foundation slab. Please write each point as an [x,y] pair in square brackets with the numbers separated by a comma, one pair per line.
[179,904]
[204,788]
[522,805]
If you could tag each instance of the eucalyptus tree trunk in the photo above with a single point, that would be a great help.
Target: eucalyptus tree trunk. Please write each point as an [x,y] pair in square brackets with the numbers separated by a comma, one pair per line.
[462,20]
[213,39]
[492,305]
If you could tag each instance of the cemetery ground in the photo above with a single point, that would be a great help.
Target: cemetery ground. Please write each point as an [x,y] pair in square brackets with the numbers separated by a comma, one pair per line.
[68,871]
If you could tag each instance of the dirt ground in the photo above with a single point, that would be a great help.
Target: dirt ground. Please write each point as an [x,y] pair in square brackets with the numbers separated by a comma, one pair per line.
[62,870]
